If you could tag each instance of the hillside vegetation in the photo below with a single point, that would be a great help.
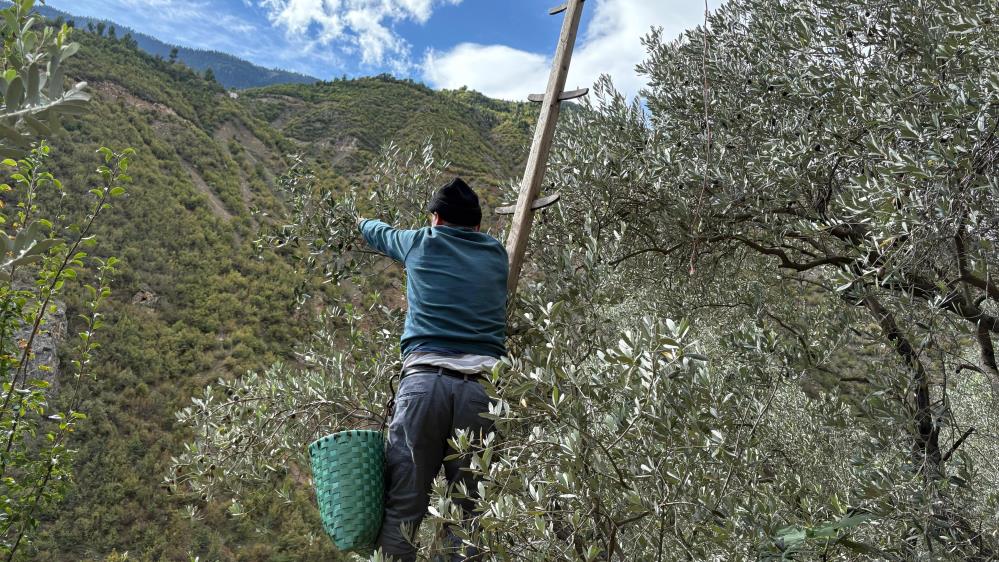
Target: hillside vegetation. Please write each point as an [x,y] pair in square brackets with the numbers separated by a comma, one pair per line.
[195,299]
[351,120]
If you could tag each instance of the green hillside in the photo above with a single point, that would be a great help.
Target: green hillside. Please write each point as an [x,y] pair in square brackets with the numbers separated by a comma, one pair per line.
[194,299]
[346,122]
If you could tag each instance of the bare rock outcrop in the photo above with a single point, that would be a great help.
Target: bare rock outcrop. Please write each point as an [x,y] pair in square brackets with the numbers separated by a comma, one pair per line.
[44,363]
[145,297]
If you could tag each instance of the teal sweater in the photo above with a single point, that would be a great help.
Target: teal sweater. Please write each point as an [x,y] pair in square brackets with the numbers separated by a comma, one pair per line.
[455,284]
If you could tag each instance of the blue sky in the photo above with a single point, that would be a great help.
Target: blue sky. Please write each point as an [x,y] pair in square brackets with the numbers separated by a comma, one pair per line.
[500,47]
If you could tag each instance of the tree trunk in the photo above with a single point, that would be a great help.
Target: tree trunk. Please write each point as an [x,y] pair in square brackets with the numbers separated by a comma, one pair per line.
[926,445]
[988,358]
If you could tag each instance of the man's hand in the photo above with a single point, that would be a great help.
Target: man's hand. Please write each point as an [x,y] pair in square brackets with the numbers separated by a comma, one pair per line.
[360,220]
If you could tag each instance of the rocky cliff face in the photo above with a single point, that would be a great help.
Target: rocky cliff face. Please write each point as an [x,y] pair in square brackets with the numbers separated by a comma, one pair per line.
[46,345]
[44,362]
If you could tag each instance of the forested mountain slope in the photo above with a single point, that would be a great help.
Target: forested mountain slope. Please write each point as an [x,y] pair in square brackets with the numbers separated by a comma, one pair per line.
[195,299]
[353,119]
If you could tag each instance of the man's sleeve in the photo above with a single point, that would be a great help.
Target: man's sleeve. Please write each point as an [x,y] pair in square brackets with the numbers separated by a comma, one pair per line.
[392,242]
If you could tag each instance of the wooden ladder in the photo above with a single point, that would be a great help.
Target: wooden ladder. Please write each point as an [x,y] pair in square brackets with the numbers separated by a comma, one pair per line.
[551,101]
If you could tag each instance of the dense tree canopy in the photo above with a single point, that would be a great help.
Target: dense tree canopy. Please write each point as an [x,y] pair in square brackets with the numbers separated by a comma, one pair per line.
[812,186]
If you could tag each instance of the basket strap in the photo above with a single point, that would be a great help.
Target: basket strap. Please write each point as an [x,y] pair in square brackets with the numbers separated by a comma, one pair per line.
[390,405]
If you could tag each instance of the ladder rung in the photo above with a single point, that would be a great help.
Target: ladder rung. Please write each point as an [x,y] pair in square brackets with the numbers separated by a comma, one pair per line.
[559,9]
[573,94]
[538,98]
[536,206]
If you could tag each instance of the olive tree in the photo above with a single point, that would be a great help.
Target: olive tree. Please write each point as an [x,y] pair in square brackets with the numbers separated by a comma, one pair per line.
[616,435]
[826,171]
[811,184]
[254,428]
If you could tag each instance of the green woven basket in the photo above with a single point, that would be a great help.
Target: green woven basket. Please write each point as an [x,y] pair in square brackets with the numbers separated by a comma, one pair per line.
[349,472]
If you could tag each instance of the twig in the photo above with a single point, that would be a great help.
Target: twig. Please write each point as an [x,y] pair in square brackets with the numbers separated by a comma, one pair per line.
[707,147]
[749,438]
[665,252]
[957,444]
[31,510]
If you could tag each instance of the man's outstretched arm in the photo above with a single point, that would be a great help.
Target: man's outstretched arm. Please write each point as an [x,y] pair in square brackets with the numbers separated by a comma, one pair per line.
[390,241]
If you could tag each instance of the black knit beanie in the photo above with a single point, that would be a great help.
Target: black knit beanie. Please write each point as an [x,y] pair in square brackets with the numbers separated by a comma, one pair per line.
[456,203]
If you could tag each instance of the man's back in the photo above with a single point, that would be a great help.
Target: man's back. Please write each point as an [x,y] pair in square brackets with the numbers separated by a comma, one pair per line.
[455,286]
[455,331]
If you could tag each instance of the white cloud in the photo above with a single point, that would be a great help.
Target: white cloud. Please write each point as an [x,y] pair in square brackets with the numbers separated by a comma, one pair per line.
[497,70]
[363,26]
[611,44]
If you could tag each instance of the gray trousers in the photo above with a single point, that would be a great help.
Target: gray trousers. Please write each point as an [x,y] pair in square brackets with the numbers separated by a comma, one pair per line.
[429,408]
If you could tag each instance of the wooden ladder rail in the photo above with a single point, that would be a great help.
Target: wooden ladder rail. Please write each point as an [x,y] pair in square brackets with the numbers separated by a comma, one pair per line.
[537,162]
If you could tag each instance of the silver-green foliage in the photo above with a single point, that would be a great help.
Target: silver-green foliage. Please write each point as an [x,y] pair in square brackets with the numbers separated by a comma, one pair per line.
[248,429]
[848,208]
[843,242]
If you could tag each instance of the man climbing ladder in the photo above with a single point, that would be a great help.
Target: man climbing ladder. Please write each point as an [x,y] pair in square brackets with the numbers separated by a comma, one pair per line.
[457,284]
[455,331]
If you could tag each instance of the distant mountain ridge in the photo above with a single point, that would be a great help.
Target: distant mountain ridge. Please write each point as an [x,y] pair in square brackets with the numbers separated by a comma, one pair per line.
[232,72]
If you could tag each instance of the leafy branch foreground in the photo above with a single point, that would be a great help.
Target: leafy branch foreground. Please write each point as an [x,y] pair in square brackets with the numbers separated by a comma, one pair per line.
[605,422]
[42,251]
[831,396]
[36,459]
